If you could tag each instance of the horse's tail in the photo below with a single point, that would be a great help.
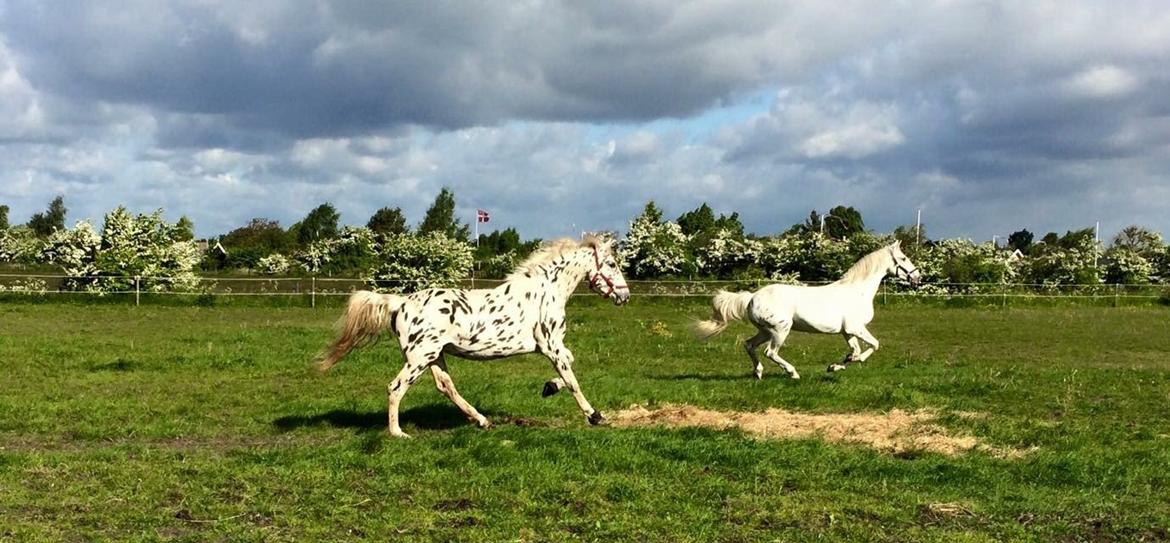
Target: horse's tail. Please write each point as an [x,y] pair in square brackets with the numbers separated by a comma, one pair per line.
[726,307]
[366,315]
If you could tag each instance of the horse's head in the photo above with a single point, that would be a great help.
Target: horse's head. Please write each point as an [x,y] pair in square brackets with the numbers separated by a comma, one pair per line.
[605,277]
[901,267]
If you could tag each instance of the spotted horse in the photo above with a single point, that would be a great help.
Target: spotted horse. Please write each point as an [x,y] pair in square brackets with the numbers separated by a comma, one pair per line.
[524,314]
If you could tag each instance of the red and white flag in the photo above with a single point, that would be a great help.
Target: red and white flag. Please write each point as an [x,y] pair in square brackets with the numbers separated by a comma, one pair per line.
[482,216]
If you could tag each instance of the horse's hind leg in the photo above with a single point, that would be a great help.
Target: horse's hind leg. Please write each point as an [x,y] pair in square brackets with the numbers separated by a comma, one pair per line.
[445,385]
[778,335]
[751,345]
[410,372]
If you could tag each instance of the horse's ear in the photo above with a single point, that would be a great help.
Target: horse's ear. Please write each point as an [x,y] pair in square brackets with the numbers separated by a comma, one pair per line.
[898,243]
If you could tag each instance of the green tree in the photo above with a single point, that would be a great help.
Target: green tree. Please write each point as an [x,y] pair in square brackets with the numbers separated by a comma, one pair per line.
[1078,239]
[701,219]
[814,223]
[320,223]
[3,217]
[1142,241]
[912,237]
[259,238]
[730,223]
[1021,240]
[440,218]
[810,225]
[44,224]
[650,214]
[184,229]
[502,242]
[842,222]
[388,221]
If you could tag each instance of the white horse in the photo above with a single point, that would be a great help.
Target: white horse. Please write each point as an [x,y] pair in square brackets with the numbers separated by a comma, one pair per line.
[524,314]
[844,307]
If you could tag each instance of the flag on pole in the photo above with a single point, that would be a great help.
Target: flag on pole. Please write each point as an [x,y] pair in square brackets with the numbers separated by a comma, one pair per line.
[481,216]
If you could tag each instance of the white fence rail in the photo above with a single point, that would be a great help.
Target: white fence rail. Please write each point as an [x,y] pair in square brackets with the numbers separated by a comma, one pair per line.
[33,284]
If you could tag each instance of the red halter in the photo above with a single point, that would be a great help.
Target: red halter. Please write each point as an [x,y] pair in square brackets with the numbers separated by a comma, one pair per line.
[608,282]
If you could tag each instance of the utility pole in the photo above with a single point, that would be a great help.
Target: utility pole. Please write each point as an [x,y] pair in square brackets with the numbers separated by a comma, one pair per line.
[1096,242]
[918,229]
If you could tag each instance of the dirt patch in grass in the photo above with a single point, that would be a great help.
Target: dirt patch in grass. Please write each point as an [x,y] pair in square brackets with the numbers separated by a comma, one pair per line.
[896,431]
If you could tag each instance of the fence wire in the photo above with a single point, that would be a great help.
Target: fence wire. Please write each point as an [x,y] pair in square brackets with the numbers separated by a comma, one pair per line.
[312,287]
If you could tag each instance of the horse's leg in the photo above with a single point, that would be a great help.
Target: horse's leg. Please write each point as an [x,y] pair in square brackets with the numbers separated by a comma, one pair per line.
[415,364]
[867,337]
[751,345]
[445,385]
[853,356]
[552,386]
[779,334]
[562,361]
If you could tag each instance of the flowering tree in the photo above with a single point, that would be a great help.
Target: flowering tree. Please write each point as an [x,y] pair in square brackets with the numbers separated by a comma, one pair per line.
[129,246]
[353,250]
[1071,261]
[1127,266]
[406,263]
[655,248]
[274,264]
[76,252]
[20,245]
[724,253]
[965,264]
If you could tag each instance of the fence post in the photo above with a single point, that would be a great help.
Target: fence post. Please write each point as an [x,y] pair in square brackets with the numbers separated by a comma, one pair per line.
[313,292]
[1003,295]
[1116,294]
[137,290]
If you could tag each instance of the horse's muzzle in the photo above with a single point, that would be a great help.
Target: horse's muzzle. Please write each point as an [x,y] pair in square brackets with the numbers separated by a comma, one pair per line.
[620,297]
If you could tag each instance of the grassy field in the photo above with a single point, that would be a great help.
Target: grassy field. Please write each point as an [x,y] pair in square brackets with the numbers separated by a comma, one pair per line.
[204,423]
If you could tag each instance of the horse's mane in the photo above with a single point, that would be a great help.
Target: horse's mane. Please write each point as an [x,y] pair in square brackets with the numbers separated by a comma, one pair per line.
[866,266]
[553,249]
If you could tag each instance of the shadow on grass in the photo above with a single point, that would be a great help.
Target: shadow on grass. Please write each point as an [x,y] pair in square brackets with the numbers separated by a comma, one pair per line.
[434,416]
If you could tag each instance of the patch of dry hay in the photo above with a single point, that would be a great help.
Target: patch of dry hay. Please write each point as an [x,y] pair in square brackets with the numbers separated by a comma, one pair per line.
[896,431]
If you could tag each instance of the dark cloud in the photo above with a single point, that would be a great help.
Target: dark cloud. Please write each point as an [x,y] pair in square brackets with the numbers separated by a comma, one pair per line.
[987,115]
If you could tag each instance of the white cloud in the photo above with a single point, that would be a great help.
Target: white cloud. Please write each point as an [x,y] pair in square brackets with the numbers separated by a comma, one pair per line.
[854,141]
[21,115]
[227,111]
[1104,81]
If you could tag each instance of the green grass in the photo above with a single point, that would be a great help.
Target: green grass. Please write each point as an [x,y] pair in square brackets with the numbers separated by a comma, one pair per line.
[204,423]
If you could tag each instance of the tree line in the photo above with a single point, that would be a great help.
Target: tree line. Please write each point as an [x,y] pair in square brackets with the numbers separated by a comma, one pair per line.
[698,244]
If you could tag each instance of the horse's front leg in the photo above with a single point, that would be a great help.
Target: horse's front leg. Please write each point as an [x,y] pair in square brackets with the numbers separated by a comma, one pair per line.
[853,356]
[867,337]
[562,361]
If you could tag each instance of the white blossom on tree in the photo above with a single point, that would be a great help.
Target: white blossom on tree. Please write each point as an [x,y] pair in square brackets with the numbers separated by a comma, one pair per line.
[406,263]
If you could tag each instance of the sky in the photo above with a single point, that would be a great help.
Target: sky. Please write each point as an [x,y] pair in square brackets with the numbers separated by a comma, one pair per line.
[561,117]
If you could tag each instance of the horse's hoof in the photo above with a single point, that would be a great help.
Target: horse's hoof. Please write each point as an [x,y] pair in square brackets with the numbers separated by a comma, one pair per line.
[759,376]
[795,376]
[484,424]
[549,390]
[596,419]
[399,434]
[836,367]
